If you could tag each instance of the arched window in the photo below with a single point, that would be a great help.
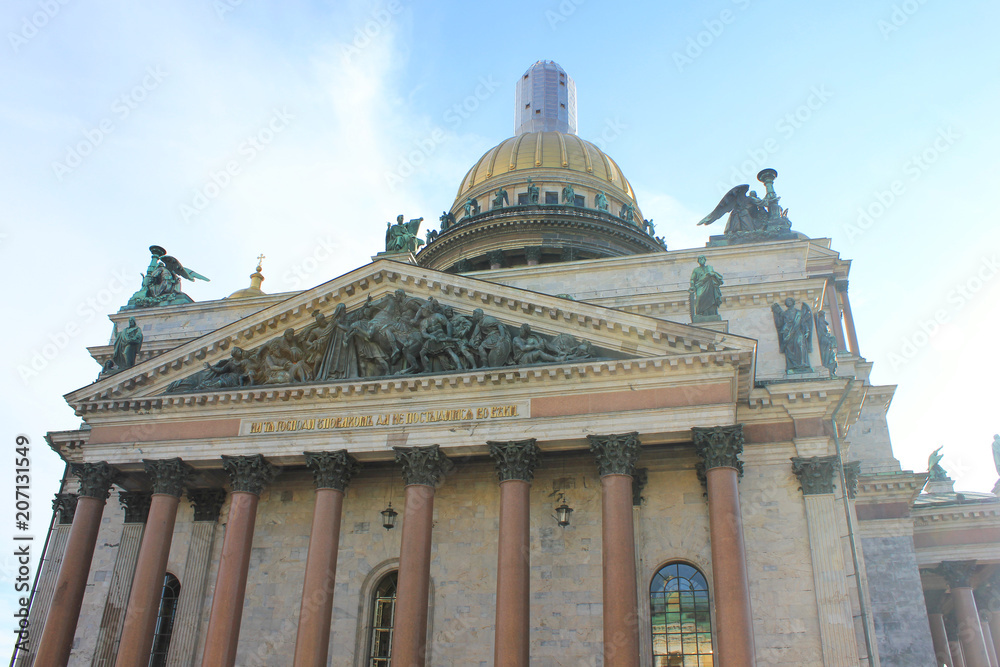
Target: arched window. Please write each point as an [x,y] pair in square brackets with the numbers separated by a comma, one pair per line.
[383,613]
[680,616]
[165,621]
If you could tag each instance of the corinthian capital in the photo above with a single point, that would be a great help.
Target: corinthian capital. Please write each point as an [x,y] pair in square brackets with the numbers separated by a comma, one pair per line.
[332,470]
[422,465]
[515,459]
[616,454]
[815,473]
[169,475]
[95,479]
[719,446]
[958,573]
[249,474]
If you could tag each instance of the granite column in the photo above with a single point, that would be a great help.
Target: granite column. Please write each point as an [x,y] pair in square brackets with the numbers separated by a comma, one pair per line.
[959,574]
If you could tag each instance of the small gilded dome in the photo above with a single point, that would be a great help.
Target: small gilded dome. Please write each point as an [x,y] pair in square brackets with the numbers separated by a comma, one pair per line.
[550,152]
[256,278]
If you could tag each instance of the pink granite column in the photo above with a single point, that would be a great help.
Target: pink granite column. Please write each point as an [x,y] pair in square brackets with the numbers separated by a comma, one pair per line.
[939,634]
[852,334]
[959,574]
[64,613]
[616,458]
[332,471]
[136,642]
[250,475]
[515,464]
[991,653]
[719,448]
[422,470]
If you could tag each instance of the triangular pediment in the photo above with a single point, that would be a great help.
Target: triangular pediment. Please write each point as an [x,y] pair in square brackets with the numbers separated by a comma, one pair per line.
[601,335]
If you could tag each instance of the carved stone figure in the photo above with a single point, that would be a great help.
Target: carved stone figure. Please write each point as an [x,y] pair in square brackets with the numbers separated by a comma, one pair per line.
[533,192]
[746,212]
[471,207]
[794,327]
[568,195]
[529,348]
[126,346]
[285,360]
[447,219]
[601,201]
[500,198]
[491,339]
[704,294]
[827,343]
[161,284]
[402,236]
[233,372]
[339,356]
[936,472]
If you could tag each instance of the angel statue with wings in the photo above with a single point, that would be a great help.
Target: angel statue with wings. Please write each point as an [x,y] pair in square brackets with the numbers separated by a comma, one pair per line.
[747,212]
[795,326]
[161,284]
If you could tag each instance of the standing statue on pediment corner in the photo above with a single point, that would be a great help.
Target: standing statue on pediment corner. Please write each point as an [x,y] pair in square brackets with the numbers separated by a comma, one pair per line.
[794,326]
[936,473]
[402,236]
[704,294]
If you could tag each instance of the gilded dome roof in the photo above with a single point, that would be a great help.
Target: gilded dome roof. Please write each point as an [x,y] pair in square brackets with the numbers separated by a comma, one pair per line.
[547,151]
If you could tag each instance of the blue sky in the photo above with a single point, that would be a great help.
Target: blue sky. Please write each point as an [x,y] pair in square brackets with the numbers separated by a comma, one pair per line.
[120,119]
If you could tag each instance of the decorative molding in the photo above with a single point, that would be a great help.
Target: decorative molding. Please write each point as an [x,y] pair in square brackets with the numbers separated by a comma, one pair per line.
[136,505]
[332,470]
[249,474]
[719,447]
[95,479]
[65,505]
[207,503]
[639,481]
[616,454]
[422,465]
[515,459]
[815,473]
[169,475]
[852,470]
[958,573]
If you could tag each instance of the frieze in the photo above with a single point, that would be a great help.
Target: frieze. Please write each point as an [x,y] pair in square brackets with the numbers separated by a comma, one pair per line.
[379,419]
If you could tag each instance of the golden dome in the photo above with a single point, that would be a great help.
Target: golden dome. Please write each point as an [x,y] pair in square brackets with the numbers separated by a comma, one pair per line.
[549,152]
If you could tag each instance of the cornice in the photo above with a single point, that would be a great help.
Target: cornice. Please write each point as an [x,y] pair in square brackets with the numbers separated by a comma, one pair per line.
[902,486]
[929,518]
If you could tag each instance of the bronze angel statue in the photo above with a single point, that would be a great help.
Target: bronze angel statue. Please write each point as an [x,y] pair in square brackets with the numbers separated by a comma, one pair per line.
[161,284]
[747,212]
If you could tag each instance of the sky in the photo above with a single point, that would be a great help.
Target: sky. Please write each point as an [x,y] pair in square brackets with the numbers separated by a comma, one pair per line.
[223,129]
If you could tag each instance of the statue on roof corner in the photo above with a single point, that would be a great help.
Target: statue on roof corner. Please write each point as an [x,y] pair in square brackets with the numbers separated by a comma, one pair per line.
[750,217]
[936,472]
[996,452]
[402,236]
[704,295]
[161,284]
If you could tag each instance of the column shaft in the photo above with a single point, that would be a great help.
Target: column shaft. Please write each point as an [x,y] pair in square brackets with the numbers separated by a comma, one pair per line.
[957,656]
[231,583]
[852,334]
[43,594]
[995,629]
[312,644]
[970,632]
[940,638]
[64,612]
[187,626]
[513,585]
[621,629]
[990,648]
[732,587]
[836,318]
[410,626]
[147,586]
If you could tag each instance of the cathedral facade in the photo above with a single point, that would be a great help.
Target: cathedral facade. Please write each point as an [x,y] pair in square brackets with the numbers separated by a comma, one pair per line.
[534,436]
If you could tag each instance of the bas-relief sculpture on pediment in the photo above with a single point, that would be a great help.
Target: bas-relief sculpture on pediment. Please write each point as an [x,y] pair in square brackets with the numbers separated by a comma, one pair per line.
[397,334]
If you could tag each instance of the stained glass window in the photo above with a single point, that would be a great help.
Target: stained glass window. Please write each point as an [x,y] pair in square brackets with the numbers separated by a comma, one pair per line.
[383,611]
[680,616]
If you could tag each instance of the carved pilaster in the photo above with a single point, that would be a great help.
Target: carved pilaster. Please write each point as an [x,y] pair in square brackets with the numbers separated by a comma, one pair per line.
[495,257]
[958,573]
[207,503]
[616,454]
[95,479]
[332,470]
[65,505]
[422,465]
[718,447]
[852,469]
[249,474]
[169,475]
[815,473]
[639,480]
[533,253]
[135,504]
[515,459]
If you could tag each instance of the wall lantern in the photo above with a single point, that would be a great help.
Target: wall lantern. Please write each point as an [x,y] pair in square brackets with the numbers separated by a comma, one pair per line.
[563,512]
[389,517]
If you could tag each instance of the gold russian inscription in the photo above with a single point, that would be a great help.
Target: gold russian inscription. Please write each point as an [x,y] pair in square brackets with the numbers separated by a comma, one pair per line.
[385,419]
